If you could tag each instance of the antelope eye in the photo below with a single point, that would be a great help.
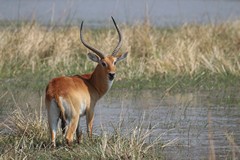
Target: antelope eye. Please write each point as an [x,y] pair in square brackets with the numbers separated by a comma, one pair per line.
[104,64]
[115,62]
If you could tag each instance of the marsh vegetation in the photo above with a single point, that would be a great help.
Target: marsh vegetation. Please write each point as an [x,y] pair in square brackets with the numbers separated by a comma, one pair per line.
[198,55]
[173,60]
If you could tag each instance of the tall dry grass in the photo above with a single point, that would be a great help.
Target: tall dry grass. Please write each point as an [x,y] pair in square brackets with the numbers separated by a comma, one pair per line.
[184,50]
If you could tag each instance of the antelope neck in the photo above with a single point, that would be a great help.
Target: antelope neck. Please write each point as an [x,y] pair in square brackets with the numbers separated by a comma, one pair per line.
[100,81]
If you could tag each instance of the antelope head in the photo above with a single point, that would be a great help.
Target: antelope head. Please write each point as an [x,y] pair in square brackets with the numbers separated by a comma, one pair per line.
[107,63]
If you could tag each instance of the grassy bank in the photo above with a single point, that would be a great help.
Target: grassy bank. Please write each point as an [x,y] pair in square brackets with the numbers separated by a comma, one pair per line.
[202,56]
[24,135]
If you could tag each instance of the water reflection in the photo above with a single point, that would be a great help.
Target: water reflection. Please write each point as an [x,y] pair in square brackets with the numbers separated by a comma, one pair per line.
[180,116]
[183,117]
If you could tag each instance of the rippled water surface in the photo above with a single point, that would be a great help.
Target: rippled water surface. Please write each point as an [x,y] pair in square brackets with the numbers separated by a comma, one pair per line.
[190,120]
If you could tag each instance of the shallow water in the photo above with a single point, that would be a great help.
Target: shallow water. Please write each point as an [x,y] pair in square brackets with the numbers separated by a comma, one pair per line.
[187,119]
[160,12]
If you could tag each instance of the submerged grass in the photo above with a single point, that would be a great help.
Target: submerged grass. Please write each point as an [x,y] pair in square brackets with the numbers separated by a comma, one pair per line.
[31,54]
[24,135]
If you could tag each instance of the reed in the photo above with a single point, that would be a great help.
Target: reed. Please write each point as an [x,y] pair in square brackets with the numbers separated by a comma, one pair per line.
[31,49]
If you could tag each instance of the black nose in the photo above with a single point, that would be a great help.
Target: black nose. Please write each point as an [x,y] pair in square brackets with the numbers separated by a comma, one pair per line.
[111,76]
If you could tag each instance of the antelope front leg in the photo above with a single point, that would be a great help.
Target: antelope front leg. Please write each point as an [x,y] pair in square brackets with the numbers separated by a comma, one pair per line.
[79,132]
[63,126]
[89,117]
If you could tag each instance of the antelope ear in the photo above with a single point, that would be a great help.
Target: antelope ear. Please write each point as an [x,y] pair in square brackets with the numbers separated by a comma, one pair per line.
[93,57]
[122,57]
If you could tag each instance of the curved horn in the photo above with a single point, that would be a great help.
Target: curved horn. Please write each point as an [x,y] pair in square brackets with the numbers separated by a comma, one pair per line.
[100,54]
[120,39]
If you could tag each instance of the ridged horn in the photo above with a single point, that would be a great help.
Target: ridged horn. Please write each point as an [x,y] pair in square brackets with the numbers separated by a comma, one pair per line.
[100,54]
[120,39]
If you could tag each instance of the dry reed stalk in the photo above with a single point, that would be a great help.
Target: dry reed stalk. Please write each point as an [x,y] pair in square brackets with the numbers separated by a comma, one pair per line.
[188,49]
[211,154]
